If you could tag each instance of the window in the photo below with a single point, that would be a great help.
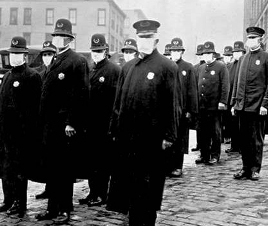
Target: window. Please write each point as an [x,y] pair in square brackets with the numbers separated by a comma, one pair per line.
[13,16]
[127,22]
[50,17]
[72,16]
[27,16]
[101,17]
[0,15]
[113,20]
[27,36]
[117,25]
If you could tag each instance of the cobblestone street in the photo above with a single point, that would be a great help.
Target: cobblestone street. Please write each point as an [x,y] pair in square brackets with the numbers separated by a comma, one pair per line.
[204,196]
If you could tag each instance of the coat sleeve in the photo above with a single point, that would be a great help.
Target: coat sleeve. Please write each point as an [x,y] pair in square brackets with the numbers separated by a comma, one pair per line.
[225,85]
[234,90]
[192,94]
[265,98]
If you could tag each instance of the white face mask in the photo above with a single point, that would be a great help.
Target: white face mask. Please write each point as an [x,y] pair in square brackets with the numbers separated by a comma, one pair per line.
[176,55]
[237,55]
[227,59]
[253,43]
[129,56]
[16,59]
[146,45]
[58,41]
[208,57]
[47,59]
[200,57]
[97,57]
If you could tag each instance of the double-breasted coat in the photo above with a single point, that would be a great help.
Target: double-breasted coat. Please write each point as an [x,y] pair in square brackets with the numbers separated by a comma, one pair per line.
[63,98]
[19,103]
[145,113]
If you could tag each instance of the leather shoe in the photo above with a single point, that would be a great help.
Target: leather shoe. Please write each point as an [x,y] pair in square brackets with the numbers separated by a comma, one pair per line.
[42,195]
[200,160]
[231,150]
[212,161]
[95,202]
[254,176]
[16,208]
[62,218]
[84,201]
[47,215]
[176,173]
[4,207]
[241,175]
[195,149]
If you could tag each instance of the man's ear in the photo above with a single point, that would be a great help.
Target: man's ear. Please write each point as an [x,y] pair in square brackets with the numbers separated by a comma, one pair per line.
[156,41]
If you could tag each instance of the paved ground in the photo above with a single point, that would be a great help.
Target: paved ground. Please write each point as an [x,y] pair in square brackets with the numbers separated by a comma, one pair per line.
[204,196]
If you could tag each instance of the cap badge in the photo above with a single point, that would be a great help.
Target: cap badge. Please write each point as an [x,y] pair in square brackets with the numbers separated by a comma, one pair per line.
[150,75]
[15,42]
[145,24]
[207,45]
[175,42]
[212,72]
[61,76]
[128,43]
[59,24]
[46,44]
[183,73]
[236,45]
[101,79]
[16,84]
[96,40]
[258,62]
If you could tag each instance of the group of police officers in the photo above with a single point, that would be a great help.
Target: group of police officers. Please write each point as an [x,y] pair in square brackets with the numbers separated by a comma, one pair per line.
[125,129]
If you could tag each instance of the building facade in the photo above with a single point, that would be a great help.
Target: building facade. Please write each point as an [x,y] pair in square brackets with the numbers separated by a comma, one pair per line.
[256,14]
[35,20]
[132,17]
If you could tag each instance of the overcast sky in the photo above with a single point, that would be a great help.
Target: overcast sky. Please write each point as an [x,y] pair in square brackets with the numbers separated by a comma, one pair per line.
[195,21]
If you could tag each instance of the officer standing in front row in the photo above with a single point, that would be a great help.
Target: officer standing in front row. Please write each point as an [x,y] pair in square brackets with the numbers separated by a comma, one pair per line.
[19,103]
[61,120]
[250,101]
[144,124]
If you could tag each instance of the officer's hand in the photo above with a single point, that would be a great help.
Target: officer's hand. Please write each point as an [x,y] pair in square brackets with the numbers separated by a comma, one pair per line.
[221,106]
[263,111]
[233,111]
[69,131]
[188,115]
[166,144]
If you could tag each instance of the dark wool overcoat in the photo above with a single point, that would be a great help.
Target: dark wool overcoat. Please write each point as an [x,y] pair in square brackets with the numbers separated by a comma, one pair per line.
[19,104]
[146,111]
[63,101]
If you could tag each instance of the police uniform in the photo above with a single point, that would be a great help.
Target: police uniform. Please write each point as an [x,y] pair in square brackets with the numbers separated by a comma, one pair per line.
[195,118]
[250,99]
[103,79]
[145,118]
[190,107]
[227,116]
[62,101]
[234,125]
[19,102]
[213,88]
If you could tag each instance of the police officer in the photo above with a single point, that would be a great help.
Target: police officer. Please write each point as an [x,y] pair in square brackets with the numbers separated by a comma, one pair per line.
[238,52]
[213,88]
[19,102]
[129,49]
[48,54]
[250,104]
[190,104]
[61,116]
[226,116]
[144,123]
[167,51]
[199,54]
[103,78]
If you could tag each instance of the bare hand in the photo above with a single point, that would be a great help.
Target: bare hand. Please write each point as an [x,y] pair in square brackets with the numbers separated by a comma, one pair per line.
[69,131]
[166,144]
[263,111]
